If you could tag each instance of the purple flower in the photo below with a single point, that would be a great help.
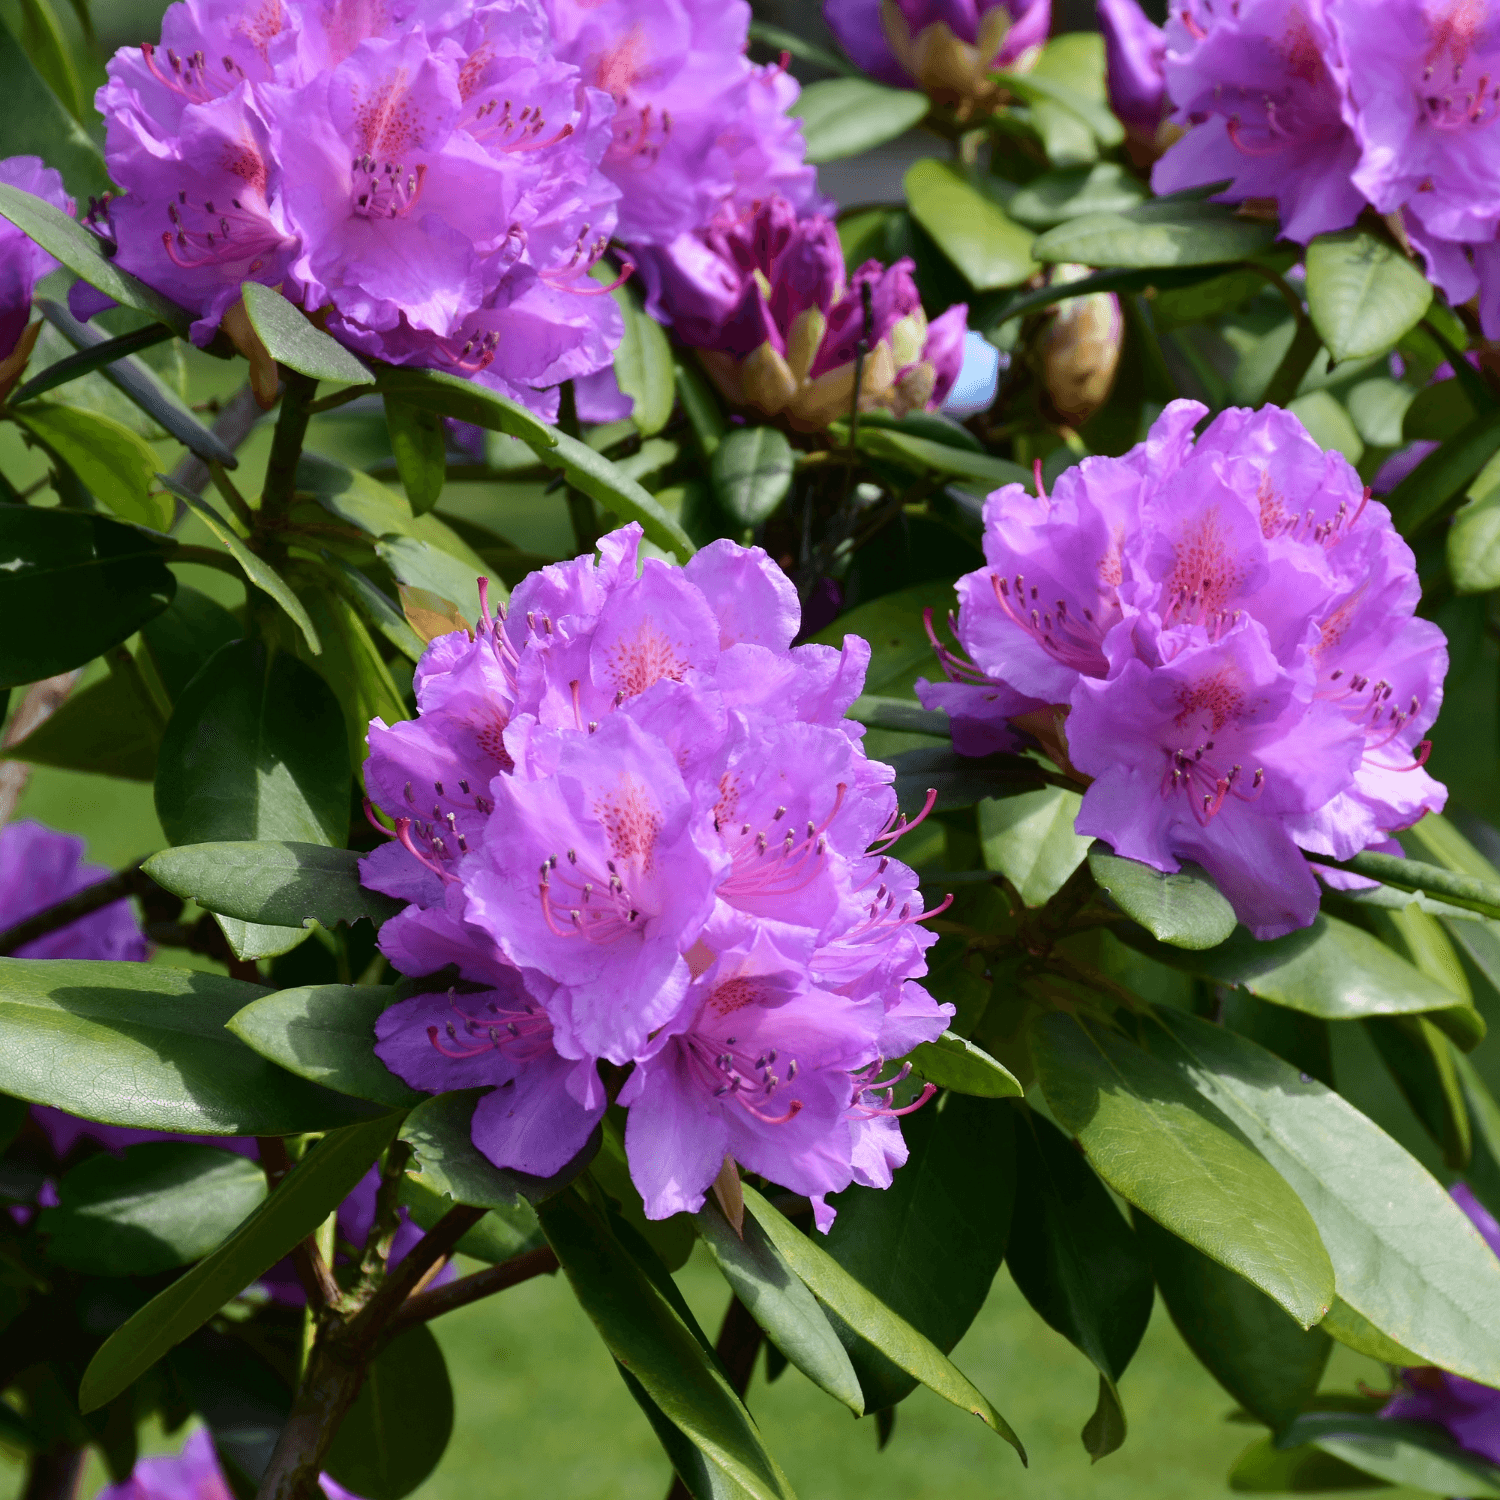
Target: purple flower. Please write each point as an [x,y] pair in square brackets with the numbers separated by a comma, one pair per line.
[22,262]
[192,1474]
[1220,639]
[778,324]
[646,801]
[1134,51]
[1258,85]
[946,47]
[430,184]
[1470,1412]
[40,867]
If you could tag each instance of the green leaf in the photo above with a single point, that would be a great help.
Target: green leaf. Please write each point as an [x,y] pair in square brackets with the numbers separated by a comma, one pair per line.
[1153,1137]
[1360,1334]
[298,344]
[84,254]
[845,116]
[115,465]
[1437,413]
[1185,909]
[93,355]
[643,366]
[500,1235]
[1331,969]
[1162,232]
[310,1191]
[1409,1453]
[1420,1059]
[377,607]
[144,1045]
[134,379]
[1363,294]
[1328,424]
[866,1315]
[73,585]
[922,455]
[1079,1265]
[278,884]
[183,636]
[701,407]
[1243,1339]
[112,728]
[776,1298]
[899,714]
[1458,889]
[954,1062]
[1036,89]
[1264,1469]
[255,568]
[254,750]
[959,780]
[446,1160]
[1029,839]
[1405,1255]
[351,664]
[1069,98]
[464,401]
[421,451]
[899,649]
[1070,192]
[929,1245]
[165,1204]
[50,52]
[400,1423]
[752,473]
[1431,489]
[645,1334]
[420,565]
[1377,408]
[326,1033]
[37,124]
[597,477]
[1474,537]
[970,229]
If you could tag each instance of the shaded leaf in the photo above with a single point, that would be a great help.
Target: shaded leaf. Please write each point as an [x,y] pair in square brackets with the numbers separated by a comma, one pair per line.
[111,728]
[924,455]
[1433,487]
[464,401]
[1029,839]
[1069,192]
[293,341]
[1263,1468]
[752,473]
[1409,1453]
[36,124]
[421,450]
[183,637]
[643,366]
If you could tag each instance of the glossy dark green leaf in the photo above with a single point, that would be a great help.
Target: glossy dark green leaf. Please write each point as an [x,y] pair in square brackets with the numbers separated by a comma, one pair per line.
[1404,1254]
[1265,1469]
[1432,489]
[500,1235]
[400,1423]
[1030,839]
[781,1304]
[464,401]
[1245,1341]
[845,116]
[959,780]
[954,1062]
[1078,1263]
[162,1204]
[648,1337]
[897,713]
[671,1239]
[696,1471]
[880,1333]
[752,473]
[145,1045]
[1416,1454]
[598,478]
[1154,1138]
[310,1191]
[1363,294]
[1185,909]
[1166,232]
[115,465]
[421,450]
[37,124]
[928,1246]
[255,568]
[420,565]
[643,365]
[90,357]
[988,249]
[298,344]
[73,585]
[254,750]
[1453,886]
[1437,412]
[923,455]
[111,728]
[326,1033]
[1331,969]
[900,651]
[377,607]
[49,50]
[1069,192]
[185,634]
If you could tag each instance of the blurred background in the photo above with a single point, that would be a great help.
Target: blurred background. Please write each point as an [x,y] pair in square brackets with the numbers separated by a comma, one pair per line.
[526,1366]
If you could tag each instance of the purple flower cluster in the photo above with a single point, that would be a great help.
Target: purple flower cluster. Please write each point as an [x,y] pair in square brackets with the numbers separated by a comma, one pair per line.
[634,817]
[948,48]
[765,298]
[1330,106]
[23,263]
[1220,639]
[1470,1412]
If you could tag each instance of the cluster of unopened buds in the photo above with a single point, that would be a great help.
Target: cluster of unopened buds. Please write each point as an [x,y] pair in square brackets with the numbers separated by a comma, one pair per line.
[635,829]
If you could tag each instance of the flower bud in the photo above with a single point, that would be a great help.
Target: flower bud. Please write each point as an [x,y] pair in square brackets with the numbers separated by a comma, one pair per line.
[23,263]
[1134,52]
[1080,351]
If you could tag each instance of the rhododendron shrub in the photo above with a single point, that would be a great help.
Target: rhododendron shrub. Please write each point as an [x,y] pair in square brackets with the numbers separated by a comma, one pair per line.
[859,646]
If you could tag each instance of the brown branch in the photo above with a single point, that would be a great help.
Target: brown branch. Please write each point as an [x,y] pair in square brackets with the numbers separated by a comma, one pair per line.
[54,1475]
[42,700]
[307,1259]
[404,1277]
[131,882]
[445,1299]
